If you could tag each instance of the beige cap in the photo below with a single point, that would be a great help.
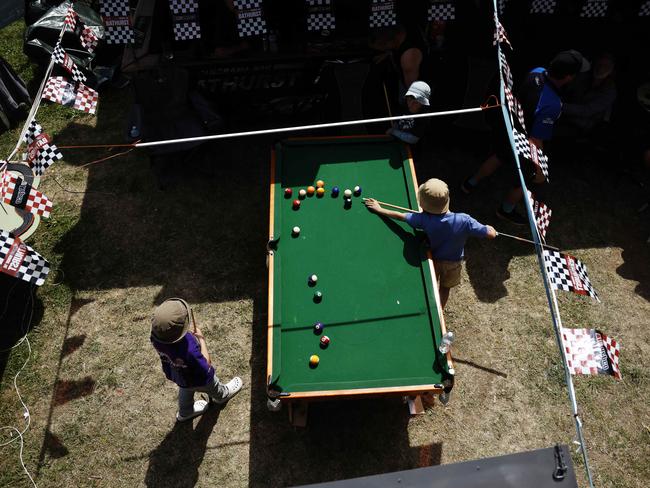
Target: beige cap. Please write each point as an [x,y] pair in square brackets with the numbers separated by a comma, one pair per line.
[434,196]
[171,320]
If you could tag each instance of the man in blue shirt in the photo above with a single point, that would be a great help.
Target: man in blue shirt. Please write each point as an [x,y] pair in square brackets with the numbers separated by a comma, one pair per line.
[542,106]
[185,359]
[447,231]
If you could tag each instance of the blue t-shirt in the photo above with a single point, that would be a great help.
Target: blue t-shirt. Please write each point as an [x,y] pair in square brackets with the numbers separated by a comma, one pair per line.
[183,362]
[447,233]
[541,104]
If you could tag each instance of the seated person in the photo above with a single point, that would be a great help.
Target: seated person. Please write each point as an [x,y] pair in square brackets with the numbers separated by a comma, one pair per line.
[411,130]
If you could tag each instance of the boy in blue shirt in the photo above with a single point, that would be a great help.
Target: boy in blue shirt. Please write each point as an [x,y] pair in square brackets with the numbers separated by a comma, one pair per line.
[185,359]
[447,231]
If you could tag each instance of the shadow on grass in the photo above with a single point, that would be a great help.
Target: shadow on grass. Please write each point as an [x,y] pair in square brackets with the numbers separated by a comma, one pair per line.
[176,460]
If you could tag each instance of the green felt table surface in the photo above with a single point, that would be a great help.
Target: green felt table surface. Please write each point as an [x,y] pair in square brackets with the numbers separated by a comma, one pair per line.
[378,304]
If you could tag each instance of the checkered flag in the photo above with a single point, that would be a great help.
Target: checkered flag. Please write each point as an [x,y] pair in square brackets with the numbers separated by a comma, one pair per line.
[70,20]
[20,194]
[320,15]
[644,9]
[441,10]
[41,153]
[382,14]
[543,7]
[505,69]
[250,18]
[594,8]
[21,261]
[185,15]
[590,352]
[86,99]
[115,14]
[89,39]
[526,149]
[61,57]
[514,107]
[542,215]
[500,34]
[568,274]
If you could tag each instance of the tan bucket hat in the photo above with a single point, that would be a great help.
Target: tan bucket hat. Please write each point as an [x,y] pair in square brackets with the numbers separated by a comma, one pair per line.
[434,196]
[171,320]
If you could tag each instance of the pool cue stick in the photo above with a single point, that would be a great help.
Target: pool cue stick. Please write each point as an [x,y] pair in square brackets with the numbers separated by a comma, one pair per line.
[521,239]
[384,204]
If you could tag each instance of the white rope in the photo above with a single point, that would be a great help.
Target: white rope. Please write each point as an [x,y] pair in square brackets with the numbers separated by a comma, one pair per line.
[550,292]
[309,127]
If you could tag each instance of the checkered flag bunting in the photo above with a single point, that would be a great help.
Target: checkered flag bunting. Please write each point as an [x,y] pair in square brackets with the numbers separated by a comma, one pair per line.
[644,9]
[568,274]
[115,14]
[542,215]
[20,194]
[514,107]
[594,8]
[543,7]
[70,20]
[185,16]
[590,352]
[21,261]
[526,149]
[89,39]
[320,16]
[61,57]
[58,90]
[500,36]
[441,11]
[250,18]
[41,153]
[86,99]
[382,14]
[505,69]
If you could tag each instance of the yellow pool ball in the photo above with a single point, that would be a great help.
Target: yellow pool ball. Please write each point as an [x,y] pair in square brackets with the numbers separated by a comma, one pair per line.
[320,192]
[320,183]
[314,360]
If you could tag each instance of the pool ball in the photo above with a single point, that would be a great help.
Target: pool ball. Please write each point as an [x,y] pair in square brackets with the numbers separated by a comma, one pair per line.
[320,184]
[314,360]
[324,341]
[318,327]
[347,202]
[318,296]
[320,192]
[288,192]
[335,191]
[357,190]
[347,193]
[295,230]
[302,193]
[311,190]
[296,204]
[313,279]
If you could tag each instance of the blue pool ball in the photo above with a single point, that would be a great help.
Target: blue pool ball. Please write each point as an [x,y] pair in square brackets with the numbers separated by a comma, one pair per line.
[357,190]
[318,327]
[335,191]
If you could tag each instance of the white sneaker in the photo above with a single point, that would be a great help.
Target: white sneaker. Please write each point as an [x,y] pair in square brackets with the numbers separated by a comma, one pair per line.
[200,407]
[232,388]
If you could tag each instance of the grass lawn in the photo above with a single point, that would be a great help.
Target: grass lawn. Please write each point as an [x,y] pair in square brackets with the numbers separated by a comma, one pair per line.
[103,414]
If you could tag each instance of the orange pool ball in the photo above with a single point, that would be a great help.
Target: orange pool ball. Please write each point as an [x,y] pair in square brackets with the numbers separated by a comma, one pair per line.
[320,183]
[310,190]
[320,192]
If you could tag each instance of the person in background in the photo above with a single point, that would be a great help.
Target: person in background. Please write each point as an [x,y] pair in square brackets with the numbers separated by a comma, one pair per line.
[411,130]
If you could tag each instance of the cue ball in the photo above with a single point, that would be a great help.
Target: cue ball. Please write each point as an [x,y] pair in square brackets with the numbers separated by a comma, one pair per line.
[310,190]
[288,192]
[324,341]
[320,192]
[314,360]
[357,190]
[347,193]
[302,193]
[320,183]
[296,204]
[318,327]
[296,230]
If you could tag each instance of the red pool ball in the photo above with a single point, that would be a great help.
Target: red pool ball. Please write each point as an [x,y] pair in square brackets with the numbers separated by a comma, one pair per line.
[288,192]
[296,204]
[324,341]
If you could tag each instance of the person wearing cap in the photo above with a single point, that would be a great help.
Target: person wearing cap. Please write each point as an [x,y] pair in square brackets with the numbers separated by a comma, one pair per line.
[447,231]
[411,130]
[185,359]
[540,99]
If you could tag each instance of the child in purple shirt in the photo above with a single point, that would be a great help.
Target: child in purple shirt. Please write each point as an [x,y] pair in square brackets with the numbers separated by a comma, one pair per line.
[447,231]
[185,359]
